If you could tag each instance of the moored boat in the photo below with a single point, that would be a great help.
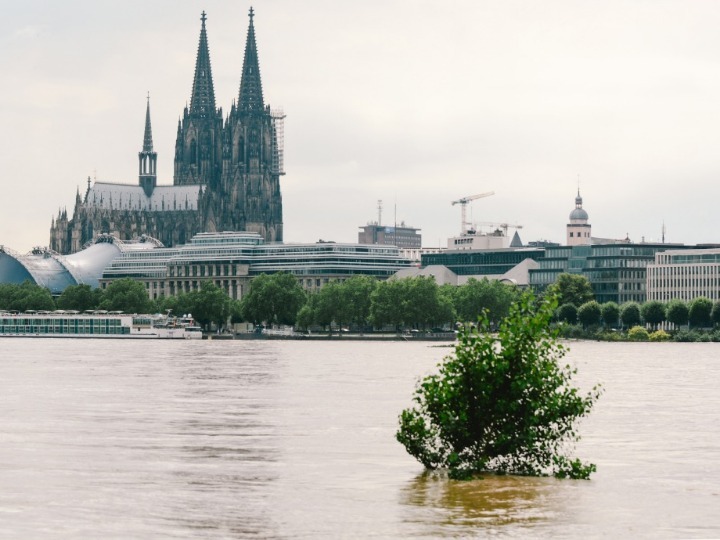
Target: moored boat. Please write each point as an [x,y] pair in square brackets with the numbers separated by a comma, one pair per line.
[98,324]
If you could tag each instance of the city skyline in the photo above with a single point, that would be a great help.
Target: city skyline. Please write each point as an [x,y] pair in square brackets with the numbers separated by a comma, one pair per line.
[417,104]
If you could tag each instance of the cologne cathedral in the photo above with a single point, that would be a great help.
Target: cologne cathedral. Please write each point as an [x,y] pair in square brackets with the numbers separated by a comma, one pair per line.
[226,175]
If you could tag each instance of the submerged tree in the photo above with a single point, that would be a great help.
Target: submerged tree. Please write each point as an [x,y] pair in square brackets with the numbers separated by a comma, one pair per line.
[507,407]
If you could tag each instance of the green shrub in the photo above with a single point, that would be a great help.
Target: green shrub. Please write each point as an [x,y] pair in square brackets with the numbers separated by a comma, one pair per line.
[704,337]
[509,408]
[685,336]
[638,333]
[659,335]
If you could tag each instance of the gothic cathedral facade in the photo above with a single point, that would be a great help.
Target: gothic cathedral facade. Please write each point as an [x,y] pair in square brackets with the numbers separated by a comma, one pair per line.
[226,171]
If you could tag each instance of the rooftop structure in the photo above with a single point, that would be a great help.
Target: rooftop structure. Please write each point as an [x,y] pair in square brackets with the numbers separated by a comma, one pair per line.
[578,229]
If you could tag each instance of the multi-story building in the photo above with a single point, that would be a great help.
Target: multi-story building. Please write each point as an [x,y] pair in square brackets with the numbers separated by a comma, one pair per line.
[231,260]
[617,272]
[489,263]
[226,171]
[401,235]
[684,275]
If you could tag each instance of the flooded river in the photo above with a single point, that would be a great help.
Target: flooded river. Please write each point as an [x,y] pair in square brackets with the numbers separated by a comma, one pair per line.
[269,439]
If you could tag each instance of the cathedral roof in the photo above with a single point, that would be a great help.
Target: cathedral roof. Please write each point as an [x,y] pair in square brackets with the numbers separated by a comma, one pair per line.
[202,102]
[251,97]
[132,197]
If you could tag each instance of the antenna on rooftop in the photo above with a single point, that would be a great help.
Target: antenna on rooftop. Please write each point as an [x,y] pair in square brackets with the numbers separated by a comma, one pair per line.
[379,207]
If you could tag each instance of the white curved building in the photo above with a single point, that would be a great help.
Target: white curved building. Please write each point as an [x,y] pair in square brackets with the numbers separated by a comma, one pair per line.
[56,272]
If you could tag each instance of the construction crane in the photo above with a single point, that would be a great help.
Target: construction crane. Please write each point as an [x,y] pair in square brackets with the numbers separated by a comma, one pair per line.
[464,225]
[503,226]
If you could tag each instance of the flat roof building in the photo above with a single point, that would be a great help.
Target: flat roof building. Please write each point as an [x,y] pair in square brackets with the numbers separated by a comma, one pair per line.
[684,275]
[401,236]
[231,259]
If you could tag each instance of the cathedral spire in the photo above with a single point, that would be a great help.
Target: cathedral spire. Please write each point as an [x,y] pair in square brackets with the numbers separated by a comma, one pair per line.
[147,141]
[251,98]
[202,102]
[147,158]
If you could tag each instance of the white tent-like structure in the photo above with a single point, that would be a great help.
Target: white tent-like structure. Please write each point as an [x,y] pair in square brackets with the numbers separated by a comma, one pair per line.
[56,272]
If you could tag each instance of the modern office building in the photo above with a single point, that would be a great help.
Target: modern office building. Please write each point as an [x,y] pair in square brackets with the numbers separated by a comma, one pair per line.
[617,272]
[401,235]
[684,275]
[231,260]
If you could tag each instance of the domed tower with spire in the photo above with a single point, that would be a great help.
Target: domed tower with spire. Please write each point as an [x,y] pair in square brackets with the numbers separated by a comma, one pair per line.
[578,230]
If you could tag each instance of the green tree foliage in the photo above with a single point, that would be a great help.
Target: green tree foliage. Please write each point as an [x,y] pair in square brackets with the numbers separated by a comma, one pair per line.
[424,303]
[327,306]
[305,317]
[572,289]
[699,312]
[589,313]
[415,301]
[356,294]
[208,305]
[24,297]
[653,313]
[236,311]
[715,313]
[630,314]
[610,313]
[489,295]
[80,298]
[509,408]
[387,303]
[677,312]
[126,295]
[274,299]
[567,313]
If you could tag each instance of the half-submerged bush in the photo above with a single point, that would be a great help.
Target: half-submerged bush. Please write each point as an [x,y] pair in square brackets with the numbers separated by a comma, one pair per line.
[505,407]
[638,333]
[659,335]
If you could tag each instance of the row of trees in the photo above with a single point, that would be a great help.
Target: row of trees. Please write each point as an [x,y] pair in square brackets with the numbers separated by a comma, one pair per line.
[698,313]
[578,305]
[360,301]
[363,302]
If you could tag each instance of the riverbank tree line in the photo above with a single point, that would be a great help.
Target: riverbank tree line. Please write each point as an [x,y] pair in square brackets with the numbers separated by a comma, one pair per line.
[363,303]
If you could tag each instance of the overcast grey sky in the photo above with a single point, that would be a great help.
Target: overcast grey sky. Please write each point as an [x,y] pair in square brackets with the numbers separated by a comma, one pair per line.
[417,103]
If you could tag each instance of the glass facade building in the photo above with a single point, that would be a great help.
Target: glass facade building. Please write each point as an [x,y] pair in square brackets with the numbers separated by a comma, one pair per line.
[617,272]
[482,262]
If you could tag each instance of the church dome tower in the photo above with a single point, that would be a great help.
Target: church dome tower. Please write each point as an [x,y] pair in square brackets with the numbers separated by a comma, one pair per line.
[578,230]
